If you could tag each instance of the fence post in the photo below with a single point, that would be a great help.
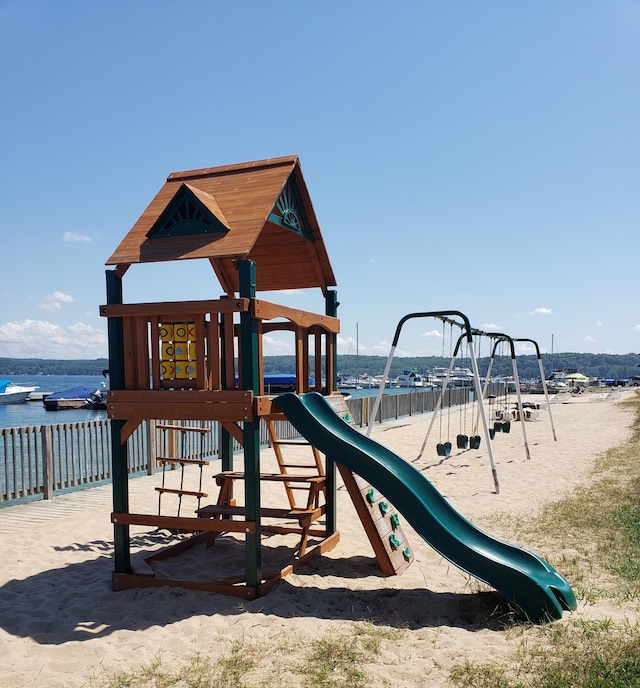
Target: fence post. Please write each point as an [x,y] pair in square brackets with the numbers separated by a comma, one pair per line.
[48,471]
[152,447]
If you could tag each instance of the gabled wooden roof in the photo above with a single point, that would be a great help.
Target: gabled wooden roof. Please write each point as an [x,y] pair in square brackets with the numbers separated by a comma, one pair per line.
[257,210]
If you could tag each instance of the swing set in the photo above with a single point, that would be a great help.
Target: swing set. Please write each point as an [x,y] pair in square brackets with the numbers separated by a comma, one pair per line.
[459,320]
[501,417]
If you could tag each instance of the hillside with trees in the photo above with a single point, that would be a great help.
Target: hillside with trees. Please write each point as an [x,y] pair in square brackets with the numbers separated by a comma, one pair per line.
[603,366]
[43,366]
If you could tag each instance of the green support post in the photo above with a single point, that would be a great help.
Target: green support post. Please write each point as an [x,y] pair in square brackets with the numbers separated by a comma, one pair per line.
[119,452]
[249,379]
[225,437]
[331,511]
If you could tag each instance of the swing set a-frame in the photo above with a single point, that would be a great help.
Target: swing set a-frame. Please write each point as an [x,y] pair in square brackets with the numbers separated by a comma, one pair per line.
[467,333]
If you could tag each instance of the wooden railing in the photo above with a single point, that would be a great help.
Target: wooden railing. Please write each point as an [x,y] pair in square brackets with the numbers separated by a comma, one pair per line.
[41,460]
[38,461]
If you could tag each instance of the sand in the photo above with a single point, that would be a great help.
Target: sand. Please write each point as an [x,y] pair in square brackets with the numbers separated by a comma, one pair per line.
[61,625]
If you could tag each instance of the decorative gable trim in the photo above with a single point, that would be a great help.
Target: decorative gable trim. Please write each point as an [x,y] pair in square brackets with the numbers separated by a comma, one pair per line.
[190,211]
[288,212]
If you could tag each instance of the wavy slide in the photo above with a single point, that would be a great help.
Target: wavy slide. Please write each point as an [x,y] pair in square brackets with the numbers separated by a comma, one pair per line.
[526,579]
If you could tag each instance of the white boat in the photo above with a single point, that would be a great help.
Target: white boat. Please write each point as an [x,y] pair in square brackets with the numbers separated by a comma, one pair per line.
[409,378]
[459,377]
[14,394]
[348,382]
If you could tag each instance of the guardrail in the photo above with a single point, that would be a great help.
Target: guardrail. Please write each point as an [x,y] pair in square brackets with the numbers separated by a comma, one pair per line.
[38,461]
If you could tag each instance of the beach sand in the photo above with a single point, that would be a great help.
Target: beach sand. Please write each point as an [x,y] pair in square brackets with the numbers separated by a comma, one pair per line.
[61,624]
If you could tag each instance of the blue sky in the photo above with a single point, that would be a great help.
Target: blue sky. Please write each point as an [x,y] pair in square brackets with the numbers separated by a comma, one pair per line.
[473,156]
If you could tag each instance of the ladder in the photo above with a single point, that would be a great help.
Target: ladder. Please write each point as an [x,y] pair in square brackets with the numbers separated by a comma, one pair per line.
[184,460]
[312,468]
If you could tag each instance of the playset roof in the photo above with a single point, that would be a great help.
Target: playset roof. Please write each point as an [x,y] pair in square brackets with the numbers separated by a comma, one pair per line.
[258,210]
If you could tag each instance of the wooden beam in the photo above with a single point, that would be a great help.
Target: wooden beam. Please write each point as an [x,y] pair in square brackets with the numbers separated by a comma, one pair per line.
[234,430]
[179,309]
[194,525]
[265,310]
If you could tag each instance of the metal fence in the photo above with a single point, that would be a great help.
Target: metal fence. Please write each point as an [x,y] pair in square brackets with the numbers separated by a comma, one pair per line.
[38,461]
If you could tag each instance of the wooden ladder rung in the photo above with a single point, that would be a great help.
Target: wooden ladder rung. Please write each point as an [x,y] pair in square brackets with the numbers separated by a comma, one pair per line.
[275,477]
[299,443]
[266,512]
[296,465]
[188,493]
[195,462]
[183,428]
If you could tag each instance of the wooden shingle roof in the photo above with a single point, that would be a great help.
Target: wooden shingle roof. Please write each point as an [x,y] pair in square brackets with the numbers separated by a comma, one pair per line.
[257,210]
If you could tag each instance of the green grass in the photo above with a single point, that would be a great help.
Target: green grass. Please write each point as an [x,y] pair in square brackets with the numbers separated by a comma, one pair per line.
[600,525]
[595,654]
[335,660]
[197,671]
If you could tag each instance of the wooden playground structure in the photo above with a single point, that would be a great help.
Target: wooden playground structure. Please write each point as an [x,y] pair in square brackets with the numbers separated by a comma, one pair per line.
[202,360]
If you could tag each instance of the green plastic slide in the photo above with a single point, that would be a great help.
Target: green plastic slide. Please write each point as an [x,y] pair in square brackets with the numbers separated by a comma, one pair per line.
[526,579]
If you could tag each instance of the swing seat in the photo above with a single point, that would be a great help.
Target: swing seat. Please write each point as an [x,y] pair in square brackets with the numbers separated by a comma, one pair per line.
[462,441]
[443,449]
[492,433]
[474,442]
[497,427]
[506,426]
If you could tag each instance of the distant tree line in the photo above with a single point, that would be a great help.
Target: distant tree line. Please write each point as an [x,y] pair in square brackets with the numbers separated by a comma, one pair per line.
[607,366]
[44,366]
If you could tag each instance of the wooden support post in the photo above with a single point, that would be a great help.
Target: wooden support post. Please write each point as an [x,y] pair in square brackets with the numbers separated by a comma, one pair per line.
[331,309]
[331,352]
[225,449]
[48,469]
[119,451]
[249,379]
[152,446]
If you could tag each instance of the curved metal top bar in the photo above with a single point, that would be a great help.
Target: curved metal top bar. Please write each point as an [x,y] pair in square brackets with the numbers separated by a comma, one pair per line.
[442,315]
[533,341]
[501,337]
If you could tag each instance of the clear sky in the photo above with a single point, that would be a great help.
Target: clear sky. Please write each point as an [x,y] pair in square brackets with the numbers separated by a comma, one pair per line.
[460,155]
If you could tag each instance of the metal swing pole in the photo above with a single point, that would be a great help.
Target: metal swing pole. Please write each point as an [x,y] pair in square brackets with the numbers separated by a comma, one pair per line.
[545,389]
[483,415]
[394,344]
[438,406]
[504,337]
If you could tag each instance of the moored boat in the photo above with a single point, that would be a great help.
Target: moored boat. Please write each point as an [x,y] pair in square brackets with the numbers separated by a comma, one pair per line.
[14,394]
[409,378]
[80,397]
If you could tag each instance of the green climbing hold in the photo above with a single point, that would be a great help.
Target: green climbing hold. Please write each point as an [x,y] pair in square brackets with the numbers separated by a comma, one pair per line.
[395,520]
[371,495]
[406,553]
[347,418]
[384,507]
[393,541]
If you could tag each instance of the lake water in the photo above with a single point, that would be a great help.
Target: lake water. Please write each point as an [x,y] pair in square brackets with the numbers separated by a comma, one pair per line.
[34,412]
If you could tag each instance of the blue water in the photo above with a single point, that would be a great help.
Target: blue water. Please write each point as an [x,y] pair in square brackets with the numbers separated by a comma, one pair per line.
[34,412]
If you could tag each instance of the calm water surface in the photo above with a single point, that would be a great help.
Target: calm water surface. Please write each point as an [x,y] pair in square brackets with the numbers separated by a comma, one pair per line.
[34,412]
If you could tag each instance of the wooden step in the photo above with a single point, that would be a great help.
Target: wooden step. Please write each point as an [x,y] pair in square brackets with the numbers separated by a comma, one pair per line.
[266,512]
[188,493]
[293,443]
[195,462]
[183,428]
[271,477]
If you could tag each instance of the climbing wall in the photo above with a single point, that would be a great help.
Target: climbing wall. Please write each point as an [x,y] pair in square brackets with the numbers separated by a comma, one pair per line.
[381,521]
